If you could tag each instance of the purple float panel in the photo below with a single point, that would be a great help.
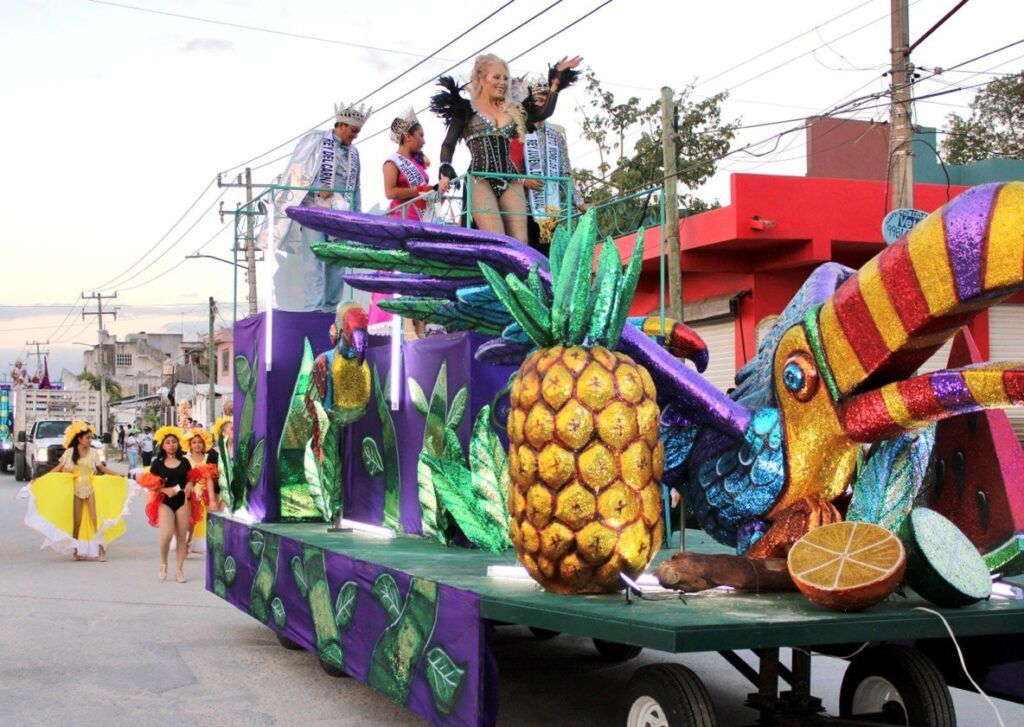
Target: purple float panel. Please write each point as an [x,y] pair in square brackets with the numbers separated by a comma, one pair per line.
[421,360]
[351,613]
[273,389]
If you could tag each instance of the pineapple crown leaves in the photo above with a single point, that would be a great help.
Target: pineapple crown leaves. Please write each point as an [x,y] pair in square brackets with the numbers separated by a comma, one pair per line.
[584,308]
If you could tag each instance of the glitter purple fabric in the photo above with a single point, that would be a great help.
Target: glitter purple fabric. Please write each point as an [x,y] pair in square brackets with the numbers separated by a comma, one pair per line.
[966,222]
[410,284]
[386,232]
[951,389]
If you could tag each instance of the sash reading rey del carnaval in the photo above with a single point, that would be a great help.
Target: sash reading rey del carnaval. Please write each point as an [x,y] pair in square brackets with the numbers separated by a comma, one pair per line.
[546,162]
[328,155]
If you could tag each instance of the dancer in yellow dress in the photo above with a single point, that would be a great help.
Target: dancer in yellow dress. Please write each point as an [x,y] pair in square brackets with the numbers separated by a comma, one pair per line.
[204,477]
[58,499]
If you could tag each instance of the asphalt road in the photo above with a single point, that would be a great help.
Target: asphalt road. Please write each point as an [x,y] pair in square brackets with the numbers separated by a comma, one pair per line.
[107,643]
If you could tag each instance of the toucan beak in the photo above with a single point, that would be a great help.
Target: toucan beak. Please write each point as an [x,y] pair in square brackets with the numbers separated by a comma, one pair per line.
[678,339]
[359,341]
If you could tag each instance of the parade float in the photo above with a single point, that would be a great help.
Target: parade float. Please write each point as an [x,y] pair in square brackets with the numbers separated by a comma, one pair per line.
[389,508]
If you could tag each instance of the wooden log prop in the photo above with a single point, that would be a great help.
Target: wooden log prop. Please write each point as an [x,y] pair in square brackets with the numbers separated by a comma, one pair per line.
[699,571]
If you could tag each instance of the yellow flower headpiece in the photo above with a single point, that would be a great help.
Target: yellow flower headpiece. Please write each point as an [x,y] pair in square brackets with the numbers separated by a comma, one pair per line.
[201,433]
[219,425]
[76,428]
[163,432]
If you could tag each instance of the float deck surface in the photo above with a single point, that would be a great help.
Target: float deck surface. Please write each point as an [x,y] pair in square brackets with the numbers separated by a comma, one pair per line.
[709,622]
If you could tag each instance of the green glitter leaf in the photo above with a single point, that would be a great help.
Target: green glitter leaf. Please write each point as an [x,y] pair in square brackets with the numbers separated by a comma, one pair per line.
[536,286]
[390,461]
[385,590]
[559,244]
[444,678]
[508,299]
[419,399]
[299,576]
[457,410]
[243,373]
[533,307]
[625,291]
[372,462]
[609,276]
[584,240]
[345,605]
[366,257]
[488,464]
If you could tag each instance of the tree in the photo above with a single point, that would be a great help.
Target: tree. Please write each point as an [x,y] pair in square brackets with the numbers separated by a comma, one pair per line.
[995,128]
[628,137]
[113,387]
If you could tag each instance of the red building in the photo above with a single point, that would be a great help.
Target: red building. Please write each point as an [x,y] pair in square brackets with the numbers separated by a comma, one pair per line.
[742,263]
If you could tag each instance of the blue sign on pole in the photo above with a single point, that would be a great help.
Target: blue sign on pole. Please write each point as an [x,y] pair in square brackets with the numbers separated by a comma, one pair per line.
[899,222]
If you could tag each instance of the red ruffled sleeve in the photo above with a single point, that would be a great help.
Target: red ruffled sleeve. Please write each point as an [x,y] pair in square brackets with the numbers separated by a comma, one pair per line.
[150,481]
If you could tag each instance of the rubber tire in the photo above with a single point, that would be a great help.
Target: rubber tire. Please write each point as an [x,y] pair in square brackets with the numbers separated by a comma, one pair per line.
[543,634]
[682,696]
[287,643]
[19,467]
[614,651]
[332,670]
[926,697]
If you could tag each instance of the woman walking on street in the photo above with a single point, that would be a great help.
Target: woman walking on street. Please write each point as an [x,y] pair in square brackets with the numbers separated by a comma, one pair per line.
[206,489]
[131,446]
[59,499]
[170,506]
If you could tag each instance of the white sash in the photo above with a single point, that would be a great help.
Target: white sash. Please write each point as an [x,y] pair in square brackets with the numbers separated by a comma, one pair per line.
[544,163]
[325,176]
[328,163]
[410,169]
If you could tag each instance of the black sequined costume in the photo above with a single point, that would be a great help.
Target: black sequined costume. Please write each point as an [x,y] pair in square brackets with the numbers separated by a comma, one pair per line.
[489,145]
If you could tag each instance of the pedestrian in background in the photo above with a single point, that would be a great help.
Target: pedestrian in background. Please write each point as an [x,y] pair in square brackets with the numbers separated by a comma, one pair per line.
[131,448]
[121,436]
[146,446]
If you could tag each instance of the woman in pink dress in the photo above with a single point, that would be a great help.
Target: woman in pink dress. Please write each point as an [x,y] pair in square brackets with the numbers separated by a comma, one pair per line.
[405,179]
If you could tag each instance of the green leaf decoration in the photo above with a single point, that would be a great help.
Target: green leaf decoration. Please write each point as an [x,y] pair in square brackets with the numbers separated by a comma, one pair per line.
[454,487]
[230,570]
[372,462]
[255,469]
[457,410]
[501,289]
[385,590]
[452,445]
[299,576]
[609,275]
[243,373]
[277,612]
[536,286]
[437,413]
[626,289]
[419,399]
[579,292]
[313,480]
[454,315]
[392,472]
[239,477]
[559,244]
[488,464]
[444,678]
[345,605]
[428,503]
[888,484]
[532,306]
[366,257]
[257,541]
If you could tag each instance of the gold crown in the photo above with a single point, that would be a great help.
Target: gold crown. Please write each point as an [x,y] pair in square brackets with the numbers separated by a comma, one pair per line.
[170,431]
[351,115]
[219,425]
[203,434]
[75,428]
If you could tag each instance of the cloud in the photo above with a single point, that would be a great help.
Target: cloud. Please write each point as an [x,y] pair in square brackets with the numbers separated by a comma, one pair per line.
[379,62]
[207,45]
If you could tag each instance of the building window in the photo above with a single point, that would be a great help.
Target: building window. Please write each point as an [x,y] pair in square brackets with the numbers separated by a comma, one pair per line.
[123,360]
[143,390]
[225,361]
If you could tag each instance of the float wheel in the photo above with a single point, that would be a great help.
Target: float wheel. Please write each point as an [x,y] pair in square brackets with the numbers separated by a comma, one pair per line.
[893,684]
[667,695]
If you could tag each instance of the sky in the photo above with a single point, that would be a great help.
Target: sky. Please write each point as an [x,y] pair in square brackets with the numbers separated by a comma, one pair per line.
[116,119]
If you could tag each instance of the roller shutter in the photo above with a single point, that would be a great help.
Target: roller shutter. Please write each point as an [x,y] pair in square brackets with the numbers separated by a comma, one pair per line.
[1006,343]
[720,336]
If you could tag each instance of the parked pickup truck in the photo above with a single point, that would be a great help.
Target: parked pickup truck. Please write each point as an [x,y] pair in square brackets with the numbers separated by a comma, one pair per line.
[40,418]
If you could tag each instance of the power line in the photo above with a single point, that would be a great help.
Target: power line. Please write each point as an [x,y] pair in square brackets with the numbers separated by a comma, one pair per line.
[457,63]
[257,29]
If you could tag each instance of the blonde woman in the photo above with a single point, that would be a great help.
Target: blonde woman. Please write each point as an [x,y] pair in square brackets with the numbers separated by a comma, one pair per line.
[488,122]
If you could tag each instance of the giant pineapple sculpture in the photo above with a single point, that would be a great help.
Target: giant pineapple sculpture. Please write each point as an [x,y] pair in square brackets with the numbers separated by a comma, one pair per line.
[584,455]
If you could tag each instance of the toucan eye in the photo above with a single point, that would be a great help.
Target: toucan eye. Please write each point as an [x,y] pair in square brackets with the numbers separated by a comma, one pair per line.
[800,376]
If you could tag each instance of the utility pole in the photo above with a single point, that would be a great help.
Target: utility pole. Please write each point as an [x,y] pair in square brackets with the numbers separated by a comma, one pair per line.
[211,366]
[39,353]
[668,151]
[100,362]
[250,232]
[901,136]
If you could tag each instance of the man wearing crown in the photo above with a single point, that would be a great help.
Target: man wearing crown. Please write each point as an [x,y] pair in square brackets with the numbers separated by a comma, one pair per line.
[546,154]
[327,161]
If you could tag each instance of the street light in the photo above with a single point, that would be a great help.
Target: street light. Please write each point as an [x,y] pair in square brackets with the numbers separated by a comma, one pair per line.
[194,256]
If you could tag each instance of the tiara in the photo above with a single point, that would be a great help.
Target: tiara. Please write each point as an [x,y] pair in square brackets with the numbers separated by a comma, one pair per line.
[401,125]
[352,115]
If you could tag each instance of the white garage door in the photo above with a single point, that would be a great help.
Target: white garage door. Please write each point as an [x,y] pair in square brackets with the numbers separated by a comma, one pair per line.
[1006,343]
[720,336]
